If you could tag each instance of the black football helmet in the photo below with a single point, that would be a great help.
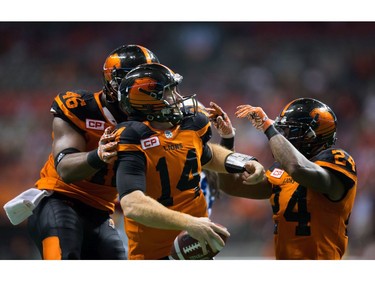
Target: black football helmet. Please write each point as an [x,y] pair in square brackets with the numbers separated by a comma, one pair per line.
[308,124]
[119,62]
[149,92]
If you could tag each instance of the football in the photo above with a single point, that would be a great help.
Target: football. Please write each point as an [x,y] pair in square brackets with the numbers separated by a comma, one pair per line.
[186,247]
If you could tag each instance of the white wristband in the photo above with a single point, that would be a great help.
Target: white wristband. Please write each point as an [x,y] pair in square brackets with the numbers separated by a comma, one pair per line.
[235,162]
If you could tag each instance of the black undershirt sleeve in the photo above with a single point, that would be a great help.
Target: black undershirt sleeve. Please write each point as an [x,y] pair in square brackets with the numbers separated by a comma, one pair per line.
[130,175]
[206,154]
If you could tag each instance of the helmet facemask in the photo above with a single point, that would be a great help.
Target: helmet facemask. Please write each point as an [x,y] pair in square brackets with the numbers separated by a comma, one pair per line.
[301,135]
[172,107]
[112,85]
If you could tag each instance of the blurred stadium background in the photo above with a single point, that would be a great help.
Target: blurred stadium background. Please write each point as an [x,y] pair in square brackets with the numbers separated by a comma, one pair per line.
[261,63]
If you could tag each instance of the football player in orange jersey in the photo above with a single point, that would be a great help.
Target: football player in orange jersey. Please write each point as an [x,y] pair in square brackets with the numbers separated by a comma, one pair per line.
[311,185]
[162,149]
[74,222]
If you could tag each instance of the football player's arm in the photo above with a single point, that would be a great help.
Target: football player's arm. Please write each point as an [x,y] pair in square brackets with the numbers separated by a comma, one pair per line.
[67,145]
[235,185]
[71,161]
[149,212]
[223,160]
[304,171]
[143,209]
[223,125]
[301,169]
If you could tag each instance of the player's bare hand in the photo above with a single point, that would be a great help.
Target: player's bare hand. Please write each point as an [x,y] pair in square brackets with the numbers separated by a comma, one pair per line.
[205,231]
[107,146]
[256,115]
[255,173]
[220,120]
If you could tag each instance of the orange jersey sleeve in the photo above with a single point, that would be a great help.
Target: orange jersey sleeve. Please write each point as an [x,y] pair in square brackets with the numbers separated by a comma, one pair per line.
[173,170]
[83,111]
[307,225]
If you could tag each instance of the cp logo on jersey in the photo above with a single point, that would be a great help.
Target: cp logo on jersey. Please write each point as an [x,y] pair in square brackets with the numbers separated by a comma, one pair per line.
[95,124]
[150,142]
[277,173]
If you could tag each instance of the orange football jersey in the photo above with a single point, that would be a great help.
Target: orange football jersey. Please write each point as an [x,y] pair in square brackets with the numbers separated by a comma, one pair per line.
[307,225]
[173,170]
[84,111]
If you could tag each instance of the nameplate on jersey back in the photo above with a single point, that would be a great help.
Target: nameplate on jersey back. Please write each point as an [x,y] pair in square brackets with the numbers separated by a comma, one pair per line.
[150,142]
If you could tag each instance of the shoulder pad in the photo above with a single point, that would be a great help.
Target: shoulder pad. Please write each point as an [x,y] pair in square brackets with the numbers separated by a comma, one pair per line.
[133,131]
[337,159]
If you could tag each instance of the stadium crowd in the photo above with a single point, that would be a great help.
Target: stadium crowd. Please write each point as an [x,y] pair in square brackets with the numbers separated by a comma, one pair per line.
[231,63]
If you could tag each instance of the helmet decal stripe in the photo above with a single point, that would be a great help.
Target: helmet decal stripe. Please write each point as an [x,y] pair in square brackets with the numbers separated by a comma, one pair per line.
[146,53]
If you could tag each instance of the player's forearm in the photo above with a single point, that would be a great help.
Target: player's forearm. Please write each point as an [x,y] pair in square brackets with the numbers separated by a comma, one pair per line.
[149,212]
[304,171]
[286,154]
[292,161]
[219,154]
[74,167]
[232,184]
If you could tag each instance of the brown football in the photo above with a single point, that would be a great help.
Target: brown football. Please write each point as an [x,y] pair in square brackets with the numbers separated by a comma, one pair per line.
[186,247]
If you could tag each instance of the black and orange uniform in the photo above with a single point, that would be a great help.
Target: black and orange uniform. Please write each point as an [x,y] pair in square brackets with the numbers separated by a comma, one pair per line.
[74,222]
[308,225]
[165,165]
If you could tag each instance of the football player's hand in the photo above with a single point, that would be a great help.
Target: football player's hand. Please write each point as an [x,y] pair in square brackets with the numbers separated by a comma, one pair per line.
[256,115]
[255,173]
[204,230]
[107,146]
[221,121]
